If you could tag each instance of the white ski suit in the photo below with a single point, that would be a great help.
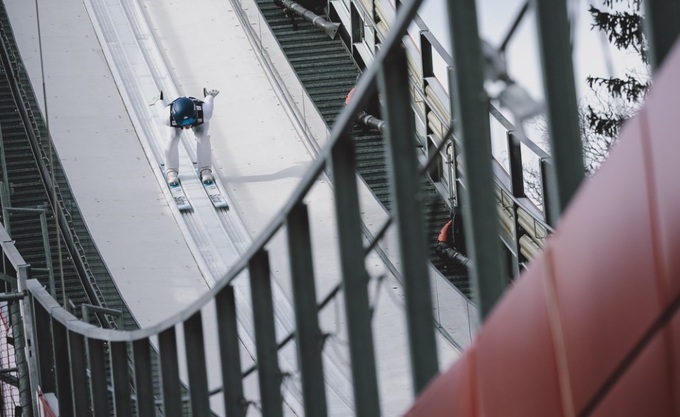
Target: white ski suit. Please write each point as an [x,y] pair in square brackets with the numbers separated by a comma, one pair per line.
[172,133]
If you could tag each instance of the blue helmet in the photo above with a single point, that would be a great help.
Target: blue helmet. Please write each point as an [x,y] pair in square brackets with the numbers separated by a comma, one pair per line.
[184,111]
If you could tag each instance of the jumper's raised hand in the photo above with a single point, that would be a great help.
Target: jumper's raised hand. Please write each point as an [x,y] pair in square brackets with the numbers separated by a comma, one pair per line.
[213,92]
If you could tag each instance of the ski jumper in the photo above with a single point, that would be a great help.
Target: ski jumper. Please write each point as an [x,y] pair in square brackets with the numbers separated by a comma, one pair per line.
[172,134]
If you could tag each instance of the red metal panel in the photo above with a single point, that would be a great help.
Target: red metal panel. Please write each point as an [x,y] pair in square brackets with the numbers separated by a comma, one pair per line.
[644,389]
[451,394]
[615,261]
[604,268]
[660,118]
[516,362]
[674,360]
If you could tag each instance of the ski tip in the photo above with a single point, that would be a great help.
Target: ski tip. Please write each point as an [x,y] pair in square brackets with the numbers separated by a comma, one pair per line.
[221,205]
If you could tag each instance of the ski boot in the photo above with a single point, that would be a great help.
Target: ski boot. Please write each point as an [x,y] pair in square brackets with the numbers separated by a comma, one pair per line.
[172,178]
[206,177]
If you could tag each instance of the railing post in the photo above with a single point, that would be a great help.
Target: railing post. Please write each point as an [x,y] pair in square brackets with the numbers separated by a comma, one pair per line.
[98,377]
[48,252]
[25,346]
[479,209]
[517,184]
[5,201]
[230,355]
[516,166]
[426,60]
[562,108]
[195,355]
[143,378]
[268,370]
[80,390]
[121,378]
[354,278]
[408,211]
[62,364]
[44,345]
[309,339]
[172,391]
[546,172]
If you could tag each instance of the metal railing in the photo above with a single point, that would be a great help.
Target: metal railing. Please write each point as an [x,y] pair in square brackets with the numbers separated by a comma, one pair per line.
[13,277]
[84,350]
[88,367]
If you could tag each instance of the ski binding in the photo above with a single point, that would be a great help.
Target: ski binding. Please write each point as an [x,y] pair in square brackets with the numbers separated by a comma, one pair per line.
[179,196]
[215,195]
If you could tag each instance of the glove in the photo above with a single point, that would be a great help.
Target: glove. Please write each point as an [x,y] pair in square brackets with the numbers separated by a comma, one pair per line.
[439,249]
[207,93]
[156,98]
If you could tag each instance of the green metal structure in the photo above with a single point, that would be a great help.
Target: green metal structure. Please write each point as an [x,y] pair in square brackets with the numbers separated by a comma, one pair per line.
[99,369]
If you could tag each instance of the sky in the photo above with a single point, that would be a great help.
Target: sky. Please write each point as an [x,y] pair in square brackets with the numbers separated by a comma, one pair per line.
[495,18]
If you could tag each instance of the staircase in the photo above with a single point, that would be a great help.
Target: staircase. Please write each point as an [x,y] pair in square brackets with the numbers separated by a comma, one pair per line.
[328,72]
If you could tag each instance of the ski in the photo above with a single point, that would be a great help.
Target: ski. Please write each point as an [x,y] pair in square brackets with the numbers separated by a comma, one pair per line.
[177,192]
[215,195]
[180,197]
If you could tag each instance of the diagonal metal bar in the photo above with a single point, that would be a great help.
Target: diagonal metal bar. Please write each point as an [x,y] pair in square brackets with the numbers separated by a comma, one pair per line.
[269,373]
[513,28]
[408,212]
[309,338]
[230,355]
[469,100]
[354,278]
[195,355]
[562,107]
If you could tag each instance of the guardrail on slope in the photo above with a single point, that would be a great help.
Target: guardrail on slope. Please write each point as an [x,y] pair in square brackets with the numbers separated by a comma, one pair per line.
[83,350]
